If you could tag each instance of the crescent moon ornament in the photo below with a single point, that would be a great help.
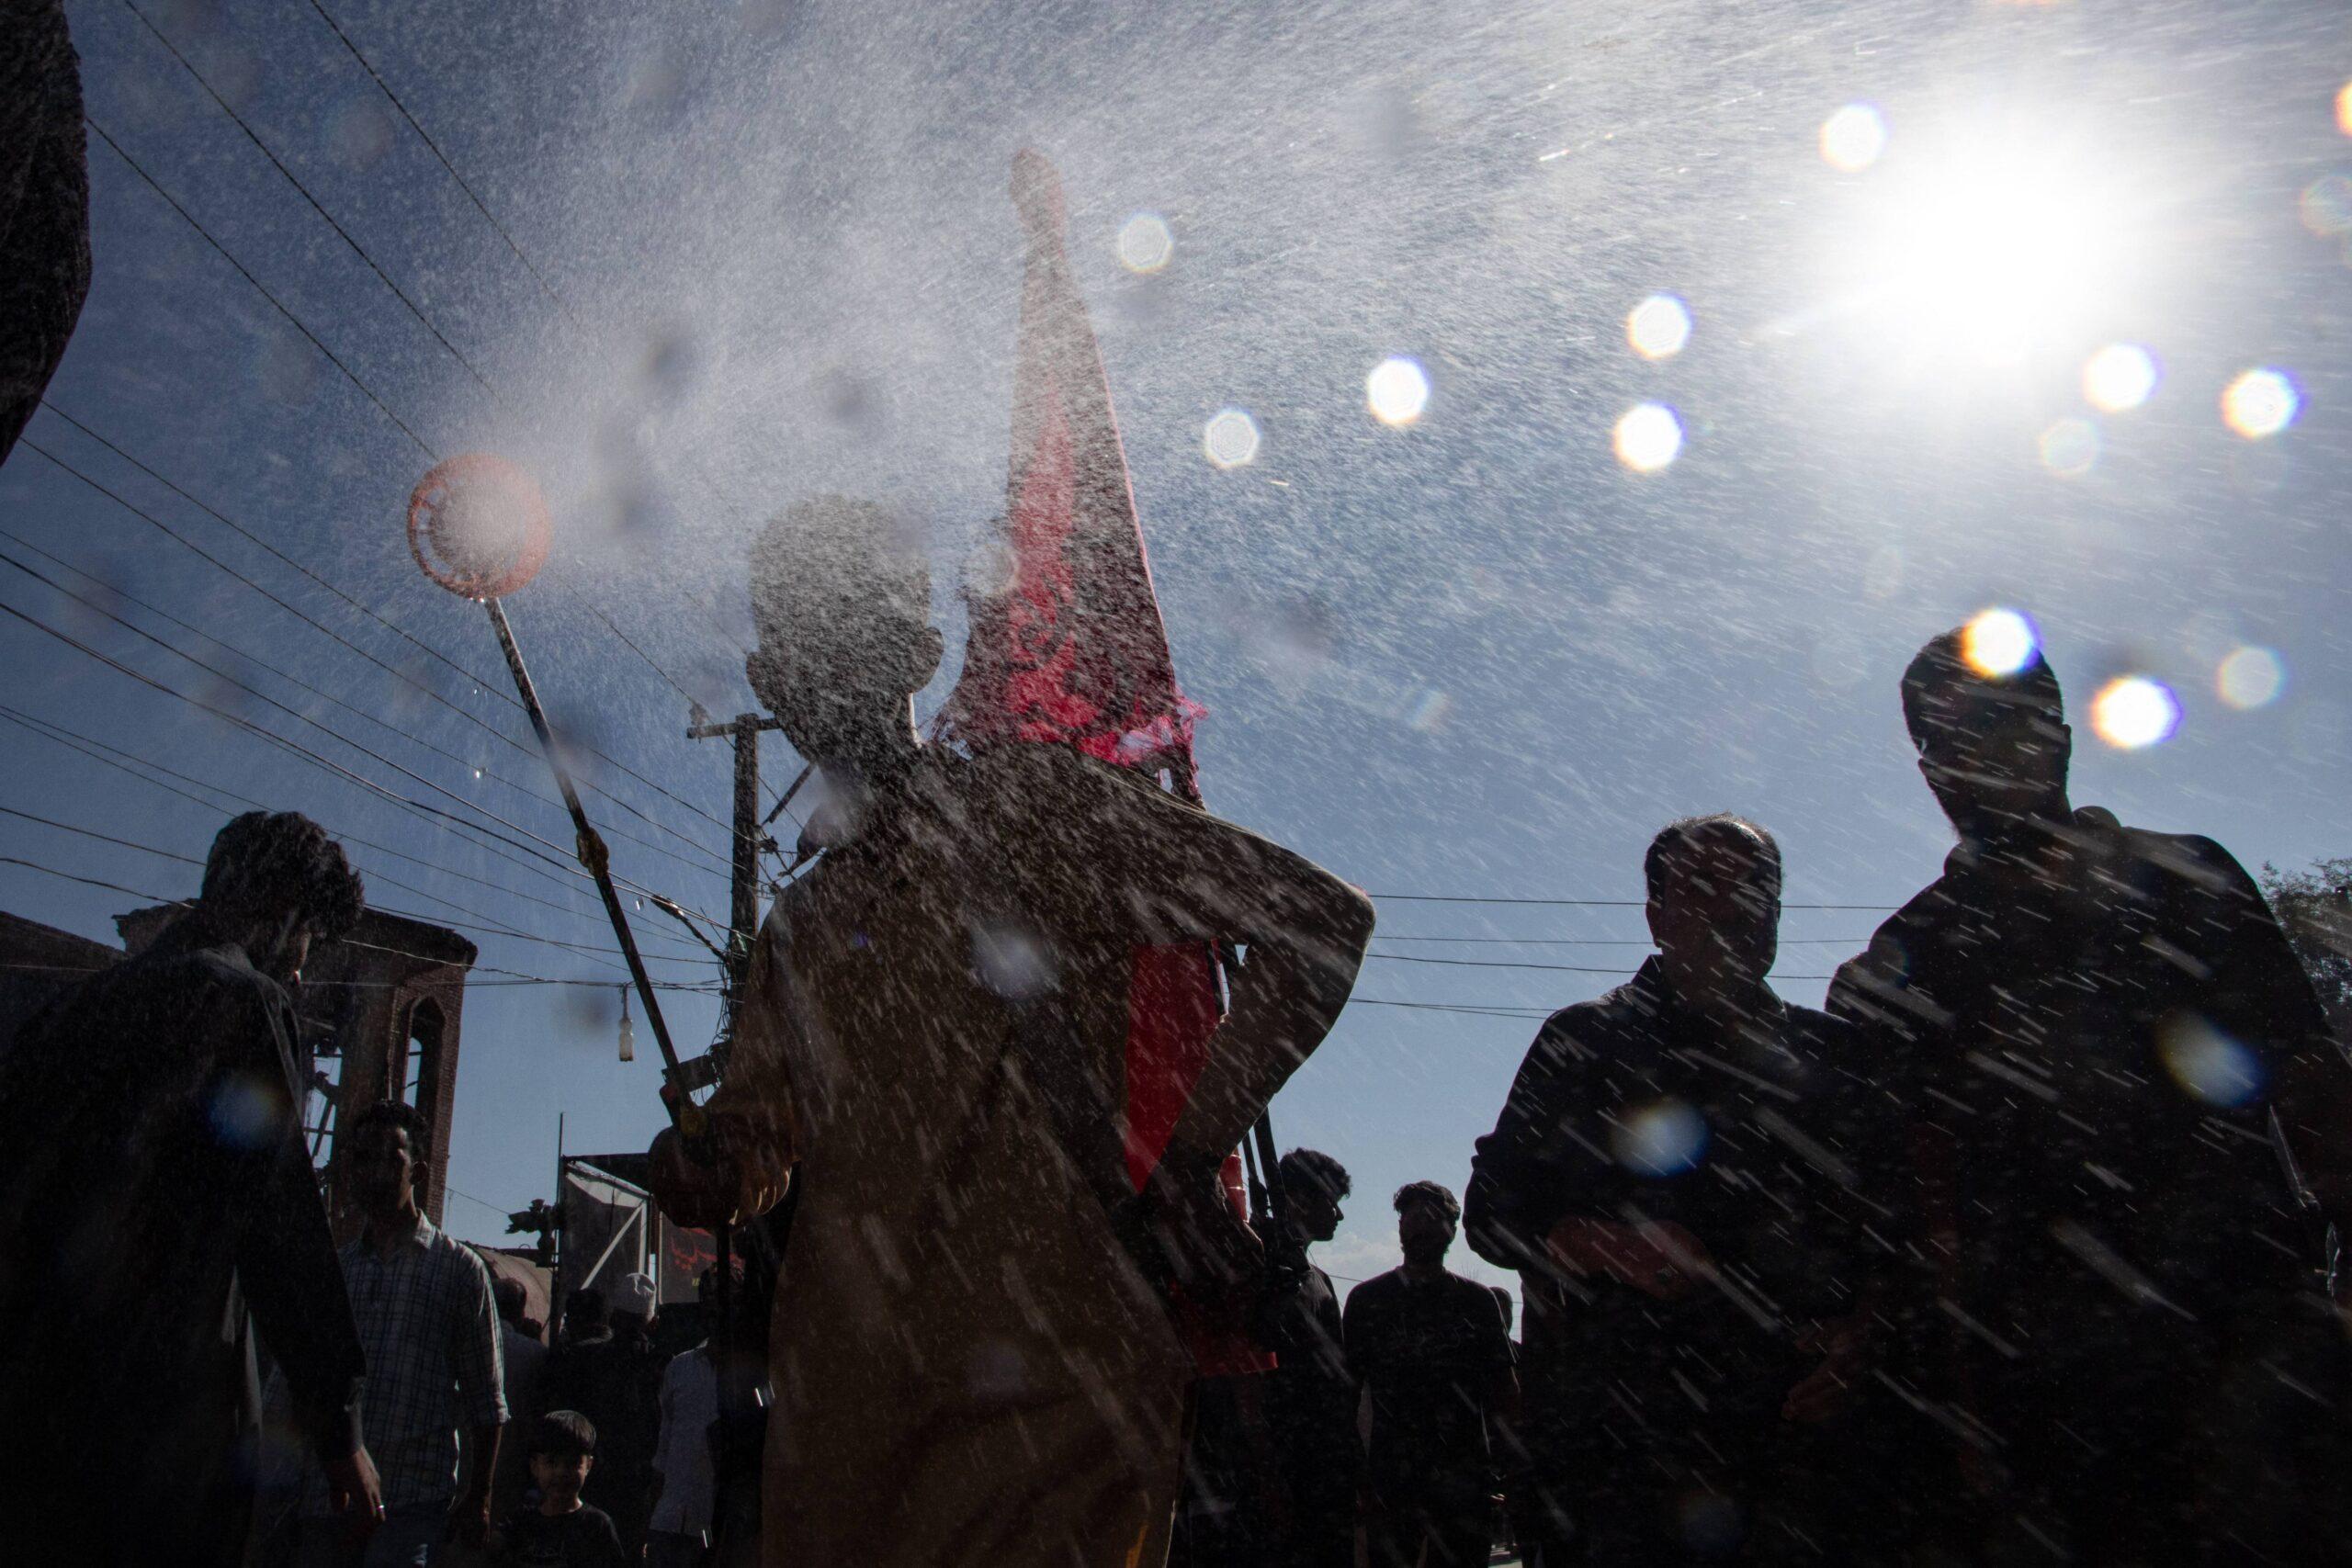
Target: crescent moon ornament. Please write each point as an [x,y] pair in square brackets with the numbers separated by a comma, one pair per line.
[479,526]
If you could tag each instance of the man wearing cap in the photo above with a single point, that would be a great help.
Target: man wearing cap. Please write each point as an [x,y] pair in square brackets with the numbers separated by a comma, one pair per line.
[2132,1128]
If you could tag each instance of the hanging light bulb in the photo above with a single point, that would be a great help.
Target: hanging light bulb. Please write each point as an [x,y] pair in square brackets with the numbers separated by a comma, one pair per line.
[629,1030]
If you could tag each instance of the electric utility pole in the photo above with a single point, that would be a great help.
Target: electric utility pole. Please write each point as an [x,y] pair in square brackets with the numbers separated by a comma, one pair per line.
[739,1467]
[744,909]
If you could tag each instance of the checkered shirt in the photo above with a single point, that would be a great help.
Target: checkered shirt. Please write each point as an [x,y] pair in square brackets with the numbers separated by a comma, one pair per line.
[429,1325]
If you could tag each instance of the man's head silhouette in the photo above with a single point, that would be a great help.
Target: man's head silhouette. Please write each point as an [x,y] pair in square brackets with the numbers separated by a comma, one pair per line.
[1994,747]
[1427,1216]
[840,594]
[1715,903]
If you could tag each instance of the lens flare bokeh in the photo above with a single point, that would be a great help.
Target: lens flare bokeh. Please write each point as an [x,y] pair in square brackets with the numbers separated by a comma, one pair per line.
[2262,402]
[1999,642]
[2070,447]
[2207,1063]
[1658,327]
[1647,438]
[1145,244]
[1853,139]
[1664,1137]
[2133,712]
[1230,438]
[1397,391]
[2250,677]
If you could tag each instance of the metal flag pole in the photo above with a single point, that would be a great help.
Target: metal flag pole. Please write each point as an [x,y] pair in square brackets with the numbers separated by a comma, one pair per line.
[684,1113]
[479,526]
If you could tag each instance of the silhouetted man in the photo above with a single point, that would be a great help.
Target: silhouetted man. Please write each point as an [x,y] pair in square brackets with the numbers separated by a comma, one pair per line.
[970,1365]
[1431,1352]
[587,1321]
[1695,1186]
[2133,1129]
[44,206]
[156,1191]
[429,1325]
[1311,1395]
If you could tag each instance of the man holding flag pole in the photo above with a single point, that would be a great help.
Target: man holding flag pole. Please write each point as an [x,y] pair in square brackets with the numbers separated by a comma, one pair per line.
[985,1035]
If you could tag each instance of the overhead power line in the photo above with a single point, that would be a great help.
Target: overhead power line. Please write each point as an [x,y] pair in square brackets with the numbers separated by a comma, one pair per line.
[168,531]
[434,148]
[341,233]
[479,770]
[293,713]
[1519,1014]
[436,816]
[316,342]
[629,643]
[1557,968]
[97,750]
[1855,941]
[1577,903]
[514,976]
[480,684]
[421,444]
[508,977]
[106,837]
[492,929]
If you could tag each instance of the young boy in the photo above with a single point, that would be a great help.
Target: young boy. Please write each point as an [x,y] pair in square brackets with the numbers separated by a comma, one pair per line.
[559,1531]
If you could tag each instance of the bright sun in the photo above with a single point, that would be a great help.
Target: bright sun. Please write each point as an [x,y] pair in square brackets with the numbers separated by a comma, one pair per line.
[1988,253]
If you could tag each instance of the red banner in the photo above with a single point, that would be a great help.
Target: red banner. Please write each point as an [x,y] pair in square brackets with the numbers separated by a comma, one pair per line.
[1067,647]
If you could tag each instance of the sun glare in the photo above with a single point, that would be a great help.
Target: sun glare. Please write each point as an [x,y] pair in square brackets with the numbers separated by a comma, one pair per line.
[1990,249]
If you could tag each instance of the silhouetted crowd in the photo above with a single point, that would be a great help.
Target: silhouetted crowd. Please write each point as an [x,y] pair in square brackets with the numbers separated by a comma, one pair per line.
[2022,1249]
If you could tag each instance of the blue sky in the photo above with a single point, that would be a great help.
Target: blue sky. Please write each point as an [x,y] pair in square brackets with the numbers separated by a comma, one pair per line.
[1473,655]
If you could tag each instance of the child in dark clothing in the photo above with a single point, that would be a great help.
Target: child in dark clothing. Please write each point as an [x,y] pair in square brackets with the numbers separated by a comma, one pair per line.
[559,1531]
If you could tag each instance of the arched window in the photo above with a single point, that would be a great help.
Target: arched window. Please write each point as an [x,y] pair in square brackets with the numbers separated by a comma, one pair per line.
[413,1076]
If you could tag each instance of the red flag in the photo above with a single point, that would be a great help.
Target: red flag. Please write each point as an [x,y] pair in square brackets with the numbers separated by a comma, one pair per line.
[1067,643]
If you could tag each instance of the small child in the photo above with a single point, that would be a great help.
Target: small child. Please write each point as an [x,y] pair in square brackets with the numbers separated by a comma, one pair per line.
[559,1531]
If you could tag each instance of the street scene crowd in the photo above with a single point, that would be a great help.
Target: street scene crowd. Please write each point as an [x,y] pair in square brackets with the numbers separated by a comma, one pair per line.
[2024,1246]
